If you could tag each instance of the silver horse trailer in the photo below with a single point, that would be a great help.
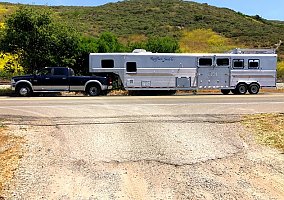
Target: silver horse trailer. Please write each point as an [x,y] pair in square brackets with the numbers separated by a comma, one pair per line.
[238,71]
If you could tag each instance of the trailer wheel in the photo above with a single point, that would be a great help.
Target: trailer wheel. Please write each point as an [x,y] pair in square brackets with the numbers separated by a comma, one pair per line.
[93,90]
[253,88]
[23,90]
[242,88]
[225,91]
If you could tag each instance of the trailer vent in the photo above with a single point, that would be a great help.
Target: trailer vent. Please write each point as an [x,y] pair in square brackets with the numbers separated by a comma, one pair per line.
[139,51]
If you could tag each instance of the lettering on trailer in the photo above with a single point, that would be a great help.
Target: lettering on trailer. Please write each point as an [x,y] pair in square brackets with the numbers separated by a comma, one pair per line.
[212,74]
[162,59]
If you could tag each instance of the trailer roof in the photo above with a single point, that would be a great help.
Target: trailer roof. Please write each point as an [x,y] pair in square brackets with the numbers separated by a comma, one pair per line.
[183,54]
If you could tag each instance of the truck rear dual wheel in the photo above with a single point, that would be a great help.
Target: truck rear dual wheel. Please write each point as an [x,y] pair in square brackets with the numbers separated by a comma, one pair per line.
[93,90]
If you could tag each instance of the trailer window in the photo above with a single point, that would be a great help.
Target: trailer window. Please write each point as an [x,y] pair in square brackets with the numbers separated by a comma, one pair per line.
[238,64]
[205,62]
[222,61]
[131,67]
[253,64]
[107,63]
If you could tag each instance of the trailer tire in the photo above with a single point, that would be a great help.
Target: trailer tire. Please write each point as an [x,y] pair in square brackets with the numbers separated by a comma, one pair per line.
[242,88]
[93,90]
[225,91]
[253,88]
[23,90]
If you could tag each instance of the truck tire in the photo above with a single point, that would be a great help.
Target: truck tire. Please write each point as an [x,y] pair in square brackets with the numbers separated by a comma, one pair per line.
[242,88]
[93,90]
[225,91]
[23,90]
[253,88]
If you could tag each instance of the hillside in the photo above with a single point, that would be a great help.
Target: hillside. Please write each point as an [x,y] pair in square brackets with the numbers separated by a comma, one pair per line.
[143,18]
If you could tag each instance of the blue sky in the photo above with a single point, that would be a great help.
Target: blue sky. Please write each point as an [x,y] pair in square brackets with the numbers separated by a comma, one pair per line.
[269,9]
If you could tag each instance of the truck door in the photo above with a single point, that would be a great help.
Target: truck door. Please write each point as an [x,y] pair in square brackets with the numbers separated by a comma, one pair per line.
[53,79]
[39,82]
[59,79]
[213,72]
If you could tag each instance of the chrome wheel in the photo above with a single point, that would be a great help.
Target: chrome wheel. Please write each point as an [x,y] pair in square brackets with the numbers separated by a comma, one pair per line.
[23,90]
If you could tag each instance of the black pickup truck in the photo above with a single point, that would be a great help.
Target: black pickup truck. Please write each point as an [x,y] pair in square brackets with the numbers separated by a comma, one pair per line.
[59,79]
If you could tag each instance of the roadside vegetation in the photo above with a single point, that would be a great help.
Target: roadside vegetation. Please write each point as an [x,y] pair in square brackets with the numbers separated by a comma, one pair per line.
[269,128]
[10,155]
[5,91]
[205,40]
[280,71]
[9,66]
[43,36]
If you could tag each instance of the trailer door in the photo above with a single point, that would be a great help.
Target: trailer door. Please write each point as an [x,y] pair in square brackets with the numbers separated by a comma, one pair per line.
[213,72]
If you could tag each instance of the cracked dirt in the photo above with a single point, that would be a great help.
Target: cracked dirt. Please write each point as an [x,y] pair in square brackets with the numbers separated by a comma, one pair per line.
[143,157]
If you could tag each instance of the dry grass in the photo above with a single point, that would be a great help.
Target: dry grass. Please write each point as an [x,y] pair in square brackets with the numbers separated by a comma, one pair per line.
[269,128]
[10,154]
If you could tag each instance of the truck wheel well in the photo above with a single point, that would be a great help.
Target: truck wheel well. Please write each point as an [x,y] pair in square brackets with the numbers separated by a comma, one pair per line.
[92,84]
[23,84]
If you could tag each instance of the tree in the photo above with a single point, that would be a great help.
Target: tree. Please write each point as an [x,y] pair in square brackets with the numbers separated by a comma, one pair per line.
[108,42]
[162,45]
[87,45]
[38,40]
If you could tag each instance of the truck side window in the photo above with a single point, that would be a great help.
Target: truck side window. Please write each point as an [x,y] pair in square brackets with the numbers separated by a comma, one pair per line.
[238,64]
[223,61]
[44,72]
[131,67]
[59,71]
[107,63]
[253,64]
[205,62]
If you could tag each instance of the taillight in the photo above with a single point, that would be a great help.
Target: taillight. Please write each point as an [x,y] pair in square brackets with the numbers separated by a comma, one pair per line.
[109,81]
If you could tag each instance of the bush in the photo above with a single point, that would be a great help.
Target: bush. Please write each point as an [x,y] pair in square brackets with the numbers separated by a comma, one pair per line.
[280,71]
[9,66]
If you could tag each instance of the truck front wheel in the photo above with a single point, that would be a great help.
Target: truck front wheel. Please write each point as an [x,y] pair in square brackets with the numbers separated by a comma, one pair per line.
[93,90]
[23,90]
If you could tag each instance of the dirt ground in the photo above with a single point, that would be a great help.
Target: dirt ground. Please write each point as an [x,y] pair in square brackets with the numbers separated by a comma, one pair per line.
[10,154]
[37,168]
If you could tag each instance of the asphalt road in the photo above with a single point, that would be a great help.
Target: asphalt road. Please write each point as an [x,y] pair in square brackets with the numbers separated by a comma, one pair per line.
[140,147]
[141,105]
